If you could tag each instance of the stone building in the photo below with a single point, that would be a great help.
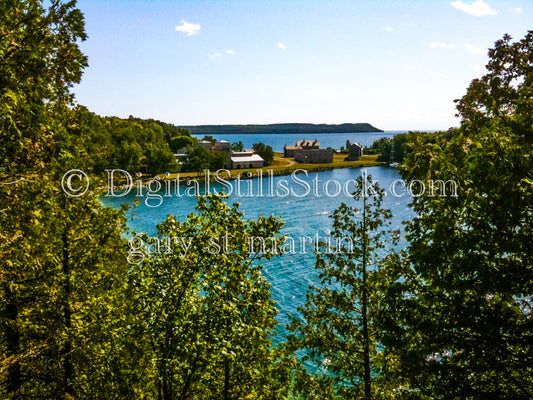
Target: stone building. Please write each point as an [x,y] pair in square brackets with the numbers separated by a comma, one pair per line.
[313,156]
[355,151]
[206,143]
[288,151]
[222,145]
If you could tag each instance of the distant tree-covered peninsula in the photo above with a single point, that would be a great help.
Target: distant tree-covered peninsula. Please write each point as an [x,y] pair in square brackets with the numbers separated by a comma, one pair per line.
[280,128]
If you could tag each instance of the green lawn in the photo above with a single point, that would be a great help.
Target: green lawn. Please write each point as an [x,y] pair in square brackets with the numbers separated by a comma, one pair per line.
[285,166]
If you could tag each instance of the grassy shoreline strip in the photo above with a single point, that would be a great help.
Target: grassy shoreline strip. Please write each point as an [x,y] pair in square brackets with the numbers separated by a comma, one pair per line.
[282,166]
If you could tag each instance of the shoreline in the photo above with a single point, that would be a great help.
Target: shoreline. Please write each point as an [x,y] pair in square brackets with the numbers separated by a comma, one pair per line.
[287,168]
[246,174]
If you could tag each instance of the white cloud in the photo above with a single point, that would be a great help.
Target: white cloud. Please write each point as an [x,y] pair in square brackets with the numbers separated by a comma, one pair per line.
[188,28]
[442,45]
[282,46]
[475,50]
[479,68]
[217,54]
[478,8]
[518,10]
[387,28]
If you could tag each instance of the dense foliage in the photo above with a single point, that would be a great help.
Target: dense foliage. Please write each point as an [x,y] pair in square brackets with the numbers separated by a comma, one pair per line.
[204,310]
[40,61]
[62,260]
[265,151]
[133,144]
[237,146]
[87,314]
[391,149]
[465,328]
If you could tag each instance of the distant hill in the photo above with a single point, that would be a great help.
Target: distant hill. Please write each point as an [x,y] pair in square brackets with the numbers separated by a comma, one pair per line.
[280,128]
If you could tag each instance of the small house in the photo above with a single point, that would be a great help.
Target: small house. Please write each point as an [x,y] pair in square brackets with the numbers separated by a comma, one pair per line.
[206,144]
[245,159]
[355,152]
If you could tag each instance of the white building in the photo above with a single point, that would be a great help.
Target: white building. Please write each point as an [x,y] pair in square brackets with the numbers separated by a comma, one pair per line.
[246,159]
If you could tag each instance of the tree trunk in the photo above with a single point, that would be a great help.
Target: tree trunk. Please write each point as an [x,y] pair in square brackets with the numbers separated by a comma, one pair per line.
[225,394]
[14,378]
[67,351]
[366,340]
[185,390]
[166,374]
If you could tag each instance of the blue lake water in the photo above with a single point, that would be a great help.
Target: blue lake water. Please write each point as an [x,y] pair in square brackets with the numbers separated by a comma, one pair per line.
[305,215]
[334,140]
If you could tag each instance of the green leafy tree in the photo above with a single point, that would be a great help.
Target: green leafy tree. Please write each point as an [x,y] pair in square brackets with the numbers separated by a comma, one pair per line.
[63,278]
[394,149]
[383,147]
[505,91]
[464,323]
[129,156]
[159,159]
[210,138]
[179,142]
[265,152]
[139,144]
[218,160]
[41,60]
[199,158]
[338,332]
[88,136]
[237,146]
[206,308]
[62,268]
[171,131]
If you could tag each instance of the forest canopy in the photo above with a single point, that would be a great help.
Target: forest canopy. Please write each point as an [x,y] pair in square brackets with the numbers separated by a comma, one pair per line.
[449,317]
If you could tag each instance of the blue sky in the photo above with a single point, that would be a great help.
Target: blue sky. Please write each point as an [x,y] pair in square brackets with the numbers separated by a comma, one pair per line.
[395,64]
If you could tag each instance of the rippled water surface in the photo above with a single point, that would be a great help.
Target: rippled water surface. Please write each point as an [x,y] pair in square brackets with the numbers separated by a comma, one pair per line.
[305,215]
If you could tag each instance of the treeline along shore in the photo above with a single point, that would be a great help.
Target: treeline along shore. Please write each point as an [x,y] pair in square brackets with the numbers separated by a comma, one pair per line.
[281,128]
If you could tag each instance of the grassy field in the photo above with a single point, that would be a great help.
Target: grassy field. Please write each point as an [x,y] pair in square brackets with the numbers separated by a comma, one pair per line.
[285,166]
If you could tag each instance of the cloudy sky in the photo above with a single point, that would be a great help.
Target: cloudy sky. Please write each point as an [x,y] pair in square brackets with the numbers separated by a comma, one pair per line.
[395,64]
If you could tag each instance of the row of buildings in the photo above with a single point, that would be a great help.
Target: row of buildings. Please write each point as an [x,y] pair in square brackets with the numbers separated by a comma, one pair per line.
[234,160]
[305,151]
[309,152]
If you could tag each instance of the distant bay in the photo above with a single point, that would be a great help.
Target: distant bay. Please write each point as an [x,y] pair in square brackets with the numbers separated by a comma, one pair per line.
[278,141]
[305,214]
